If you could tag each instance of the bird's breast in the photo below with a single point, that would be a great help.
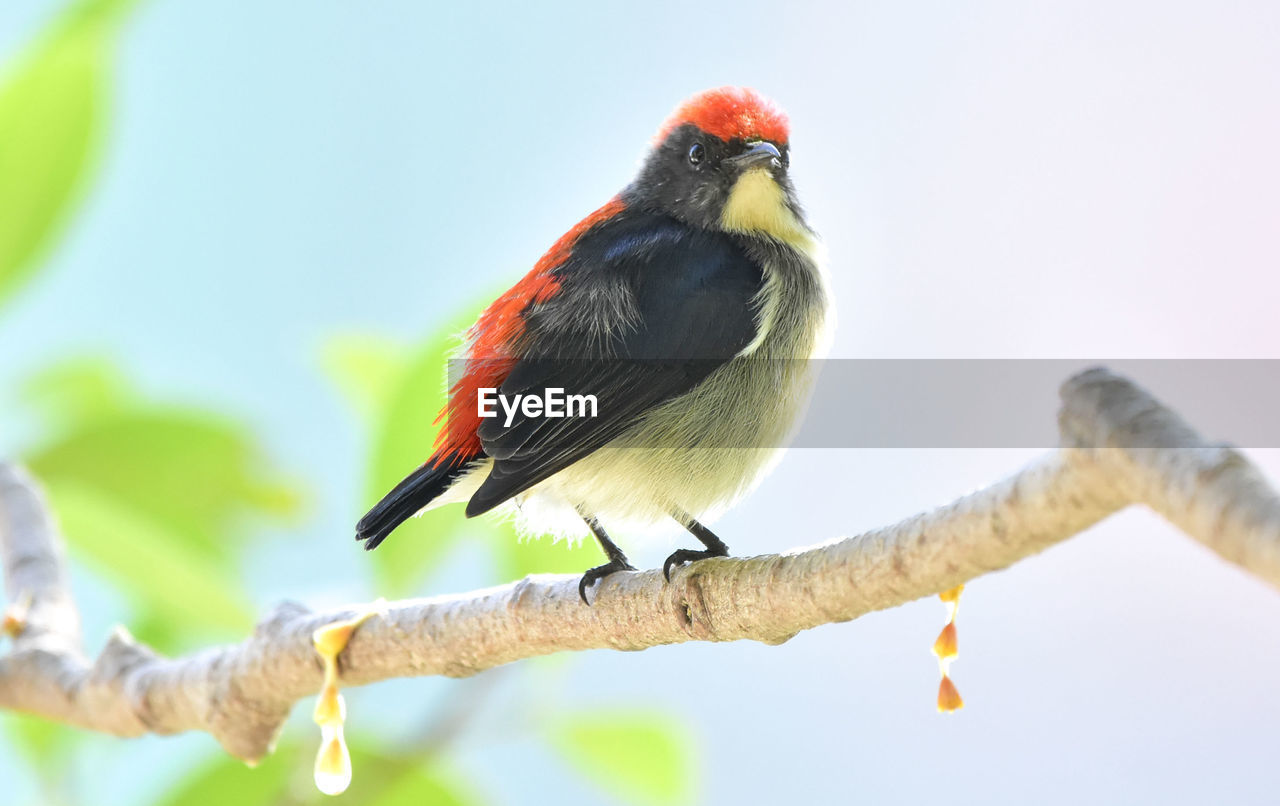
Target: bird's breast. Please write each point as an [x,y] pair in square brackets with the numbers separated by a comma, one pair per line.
[704,449]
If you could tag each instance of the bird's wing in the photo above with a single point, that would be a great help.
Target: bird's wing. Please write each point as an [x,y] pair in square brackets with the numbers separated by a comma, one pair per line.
[681,303]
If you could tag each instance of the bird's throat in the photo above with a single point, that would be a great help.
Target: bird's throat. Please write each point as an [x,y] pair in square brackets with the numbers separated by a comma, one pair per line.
[758,205]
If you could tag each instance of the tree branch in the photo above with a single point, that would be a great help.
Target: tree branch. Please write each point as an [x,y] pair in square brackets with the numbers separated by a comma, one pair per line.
[1119,447]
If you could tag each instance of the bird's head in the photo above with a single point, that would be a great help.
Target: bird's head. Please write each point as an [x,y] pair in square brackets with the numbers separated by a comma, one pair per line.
[720,162]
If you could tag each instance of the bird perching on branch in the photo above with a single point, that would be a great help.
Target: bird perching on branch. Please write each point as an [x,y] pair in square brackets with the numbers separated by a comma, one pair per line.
[684,311]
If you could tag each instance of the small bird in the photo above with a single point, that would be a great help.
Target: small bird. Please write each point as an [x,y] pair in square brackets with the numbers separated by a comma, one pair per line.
[687,308]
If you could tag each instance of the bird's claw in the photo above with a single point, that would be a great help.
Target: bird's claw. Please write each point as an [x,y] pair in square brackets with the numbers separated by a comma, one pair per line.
[682,556]
[600,572]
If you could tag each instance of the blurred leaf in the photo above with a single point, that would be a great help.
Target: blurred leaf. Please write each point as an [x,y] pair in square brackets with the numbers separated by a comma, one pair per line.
[191,473]
[641,757]
[425,786]
[403,440]
[74,391]
[404,779]
[284,777]
[51,108]
[156,499]
[154,629]
[366,369]
[43,742]
[225,780]
[164,575]
[48,747]
[406,434]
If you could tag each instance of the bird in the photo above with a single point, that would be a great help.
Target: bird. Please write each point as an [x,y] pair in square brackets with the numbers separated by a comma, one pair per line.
[687,310]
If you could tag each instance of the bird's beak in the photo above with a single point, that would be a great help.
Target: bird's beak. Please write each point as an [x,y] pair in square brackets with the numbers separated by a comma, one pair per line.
[762,153]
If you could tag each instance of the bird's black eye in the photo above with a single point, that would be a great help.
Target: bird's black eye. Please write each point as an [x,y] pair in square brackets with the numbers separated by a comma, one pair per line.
[697,153]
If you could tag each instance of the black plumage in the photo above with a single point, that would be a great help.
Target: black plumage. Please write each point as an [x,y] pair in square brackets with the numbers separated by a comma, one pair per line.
[689,295]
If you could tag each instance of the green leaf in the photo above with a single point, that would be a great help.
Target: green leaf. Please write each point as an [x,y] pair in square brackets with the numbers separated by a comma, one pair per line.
[366,369]
[425,786]
[640,757]
[403,778]
[72,392]
[47,747]
[284,777]
[403,440]
[164,575]
[158,499]
[154,629]
[193,474]
[44,743]
[406,435]
[225,780]
[51,109]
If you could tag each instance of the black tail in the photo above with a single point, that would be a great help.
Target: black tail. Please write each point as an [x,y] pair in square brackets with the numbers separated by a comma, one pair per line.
[409,496]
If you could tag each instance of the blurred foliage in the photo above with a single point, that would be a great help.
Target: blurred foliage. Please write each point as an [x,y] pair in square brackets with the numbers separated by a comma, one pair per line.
[365,368]
[51,110]
[399,391]
[160,501]
[163,574]
[405,779]
[225,780]
[74,391]
[183,484]
[641,756]
[192,472]
[49,748]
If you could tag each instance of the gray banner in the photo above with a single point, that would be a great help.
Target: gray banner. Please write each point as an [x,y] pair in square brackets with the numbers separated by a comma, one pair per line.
[927,403]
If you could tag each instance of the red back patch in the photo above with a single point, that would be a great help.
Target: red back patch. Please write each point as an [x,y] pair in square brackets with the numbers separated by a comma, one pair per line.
[494,342]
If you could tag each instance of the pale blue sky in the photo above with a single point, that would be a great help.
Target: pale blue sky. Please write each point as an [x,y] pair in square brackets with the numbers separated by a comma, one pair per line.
[992,179]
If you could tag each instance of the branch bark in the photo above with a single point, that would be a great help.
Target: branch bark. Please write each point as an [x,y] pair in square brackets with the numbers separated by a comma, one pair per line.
[1119,447]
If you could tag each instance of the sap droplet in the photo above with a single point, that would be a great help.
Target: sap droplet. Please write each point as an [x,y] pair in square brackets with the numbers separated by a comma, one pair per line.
[946,648]
[331,709]
[15,615]
[947,645]
[333,763]
[331,639]
[948,697]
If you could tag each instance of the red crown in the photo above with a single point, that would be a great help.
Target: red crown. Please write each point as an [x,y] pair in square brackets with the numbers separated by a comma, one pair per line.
[729,112]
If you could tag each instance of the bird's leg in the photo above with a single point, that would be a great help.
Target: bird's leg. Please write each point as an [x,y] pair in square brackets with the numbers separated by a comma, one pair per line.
[617,560]
[715,546]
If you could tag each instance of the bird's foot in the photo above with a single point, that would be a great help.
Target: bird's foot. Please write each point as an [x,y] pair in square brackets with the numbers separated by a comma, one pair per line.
[600,572]
[682,556]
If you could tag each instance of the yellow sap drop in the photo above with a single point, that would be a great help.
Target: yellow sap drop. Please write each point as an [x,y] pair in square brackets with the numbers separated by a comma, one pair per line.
[948,697]
[947,646]
[333,764]
[331,709]
[331,639]
[15,615]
